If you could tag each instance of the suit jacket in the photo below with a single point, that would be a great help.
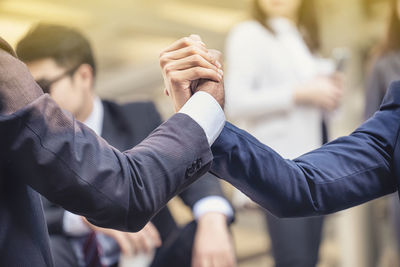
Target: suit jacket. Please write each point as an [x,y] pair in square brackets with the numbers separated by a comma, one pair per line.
[44,149]
[125,126]
[344,173]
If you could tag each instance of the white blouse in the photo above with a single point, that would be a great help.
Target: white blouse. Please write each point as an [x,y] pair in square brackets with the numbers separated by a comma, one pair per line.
[261,73]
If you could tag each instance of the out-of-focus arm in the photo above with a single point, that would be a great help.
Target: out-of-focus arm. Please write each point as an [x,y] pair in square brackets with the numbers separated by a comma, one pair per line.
[244,97]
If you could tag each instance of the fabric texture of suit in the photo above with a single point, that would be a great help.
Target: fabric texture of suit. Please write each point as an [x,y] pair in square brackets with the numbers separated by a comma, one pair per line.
[125,126]
[344,173]
[45,149]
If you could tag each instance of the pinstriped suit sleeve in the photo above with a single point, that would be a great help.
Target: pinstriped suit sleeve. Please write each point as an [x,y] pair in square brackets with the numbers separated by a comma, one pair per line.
[71,166]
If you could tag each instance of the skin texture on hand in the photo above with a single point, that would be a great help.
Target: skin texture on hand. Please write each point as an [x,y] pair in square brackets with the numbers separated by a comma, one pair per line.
[183,64]
[144,241]
[215,89]
[213,246]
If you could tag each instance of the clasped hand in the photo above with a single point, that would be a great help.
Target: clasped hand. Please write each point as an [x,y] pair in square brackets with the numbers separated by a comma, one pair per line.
[187,67]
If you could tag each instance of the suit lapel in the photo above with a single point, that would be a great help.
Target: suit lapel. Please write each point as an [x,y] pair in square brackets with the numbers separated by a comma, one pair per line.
[115,131]
[6,47]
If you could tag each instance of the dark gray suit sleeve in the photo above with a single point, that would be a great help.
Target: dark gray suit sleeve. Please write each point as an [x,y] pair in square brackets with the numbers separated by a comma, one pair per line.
[208,185]
[71,166]
[54,216]
[68,164]
[17,87]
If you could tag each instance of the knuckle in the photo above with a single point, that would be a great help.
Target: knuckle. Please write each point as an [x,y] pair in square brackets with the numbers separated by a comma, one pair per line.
[163,60]
[218,54]
[196,50]
[173,79]
[197,59]
[186,41]
[167,69]
[193,50]
[196,71]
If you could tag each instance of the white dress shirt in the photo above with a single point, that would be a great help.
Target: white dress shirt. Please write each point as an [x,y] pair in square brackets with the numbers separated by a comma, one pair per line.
[203,109]
[263,69]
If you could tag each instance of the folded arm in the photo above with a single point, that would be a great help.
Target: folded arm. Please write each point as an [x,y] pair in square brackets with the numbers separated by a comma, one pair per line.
[247,97]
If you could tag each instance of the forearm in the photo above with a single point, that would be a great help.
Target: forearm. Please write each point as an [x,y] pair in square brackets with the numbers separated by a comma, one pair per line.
[342,174]
[71,166]
[251,91]
[244,102]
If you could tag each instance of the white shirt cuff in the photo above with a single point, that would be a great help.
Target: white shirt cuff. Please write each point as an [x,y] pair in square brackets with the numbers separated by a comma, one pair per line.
[73,225]
[205,110]
[212,204]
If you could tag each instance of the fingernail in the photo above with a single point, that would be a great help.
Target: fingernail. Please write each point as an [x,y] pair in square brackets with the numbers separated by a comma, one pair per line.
[195,37]
[218,64]
[221,72]
[201,43]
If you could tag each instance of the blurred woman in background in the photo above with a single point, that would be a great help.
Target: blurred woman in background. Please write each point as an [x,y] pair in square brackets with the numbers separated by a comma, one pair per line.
[278,89]
[385,69]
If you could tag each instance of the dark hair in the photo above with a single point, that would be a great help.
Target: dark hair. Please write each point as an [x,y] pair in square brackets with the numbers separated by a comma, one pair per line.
[67,46]
[392,39]
[307,22]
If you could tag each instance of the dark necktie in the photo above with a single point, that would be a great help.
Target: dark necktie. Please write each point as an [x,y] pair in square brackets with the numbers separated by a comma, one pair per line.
[91,251]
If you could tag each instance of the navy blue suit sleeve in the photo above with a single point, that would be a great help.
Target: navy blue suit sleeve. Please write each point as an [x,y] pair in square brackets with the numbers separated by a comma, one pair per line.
[344,173]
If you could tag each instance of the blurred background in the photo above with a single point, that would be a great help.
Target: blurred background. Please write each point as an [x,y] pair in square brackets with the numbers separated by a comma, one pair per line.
[127,37]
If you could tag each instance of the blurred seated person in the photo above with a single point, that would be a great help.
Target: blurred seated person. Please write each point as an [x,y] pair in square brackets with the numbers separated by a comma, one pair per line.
[62,62]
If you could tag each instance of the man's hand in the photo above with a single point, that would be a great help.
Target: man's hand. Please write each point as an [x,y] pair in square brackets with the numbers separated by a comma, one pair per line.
[144,241]
[183,64]
[213,245]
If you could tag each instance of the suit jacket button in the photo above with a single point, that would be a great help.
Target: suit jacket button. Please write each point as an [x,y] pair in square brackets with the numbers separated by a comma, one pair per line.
[199,164]
[190,171]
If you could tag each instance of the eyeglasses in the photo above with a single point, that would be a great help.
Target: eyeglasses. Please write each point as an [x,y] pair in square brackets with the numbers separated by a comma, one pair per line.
[46,84]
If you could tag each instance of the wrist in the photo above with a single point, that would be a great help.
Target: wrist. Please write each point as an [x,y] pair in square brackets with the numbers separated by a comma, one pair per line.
[299,95]
[213,219]
[304,95]
[214,89]
[205,111]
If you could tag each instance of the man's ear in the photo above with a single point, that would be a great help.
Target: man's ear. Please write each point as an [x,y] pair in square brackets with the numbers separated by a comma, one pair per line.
[85,71]
[6,47]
